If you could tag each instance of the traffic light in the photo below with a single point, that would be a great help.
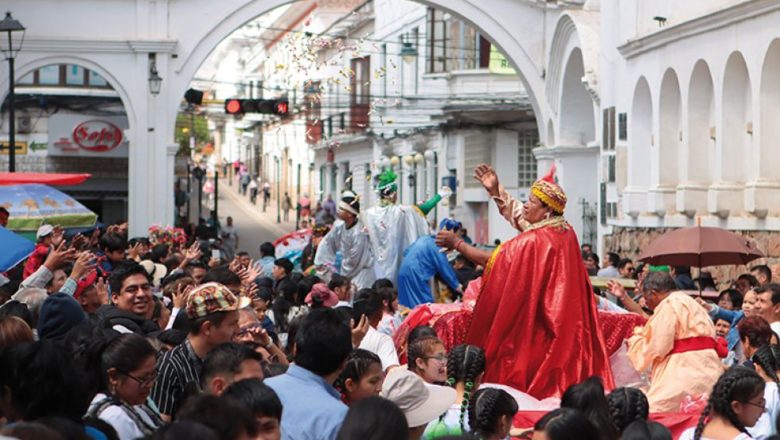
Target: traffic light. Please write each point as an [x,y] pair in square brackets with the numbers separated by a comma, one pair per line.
[266,106]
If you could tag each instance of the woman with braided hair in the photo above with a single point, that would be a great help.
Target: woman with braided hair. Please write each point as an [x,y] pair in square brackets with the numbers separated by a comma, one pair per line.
[491,411]
[767,366]
[361,377]
[465,369]
[627,405]
[737,402]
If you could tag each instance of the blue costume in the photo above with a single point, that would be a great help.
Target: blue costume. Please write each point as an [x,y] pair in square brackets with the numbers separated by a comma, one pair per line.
[422,260]
[733,317]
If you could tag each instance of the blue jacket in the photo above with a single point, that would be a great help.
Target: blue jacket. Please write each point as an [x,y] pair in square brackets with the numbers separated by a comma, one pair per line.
[422,260]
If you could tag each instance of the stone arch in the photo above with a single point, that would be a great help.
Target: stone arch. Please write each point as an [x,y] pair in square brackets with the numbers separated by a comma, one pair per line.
[232,14]
[577,117]
[640,149]
[568,30]
[669,118]
[701,117]
[640,136]
[698,143]
[37,63]
[737,111]
[769,99]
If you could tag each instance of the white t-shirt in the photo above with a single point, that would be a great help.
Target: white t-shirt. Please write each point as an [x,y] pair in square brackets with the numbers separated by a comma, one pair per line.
[381,345]
[115,416]
[688,435]
[765,426]
[775,327]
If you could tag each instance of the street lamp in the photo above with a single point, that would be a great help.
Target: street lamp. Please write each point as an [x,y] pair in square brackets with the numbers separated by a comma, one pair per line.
[10,25]
[408,52]
[155,80]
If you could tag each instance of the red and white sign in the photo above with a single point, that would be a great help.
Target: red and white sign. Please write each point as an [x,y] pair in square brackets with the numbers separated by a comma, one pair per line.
[83,135]
[97,135]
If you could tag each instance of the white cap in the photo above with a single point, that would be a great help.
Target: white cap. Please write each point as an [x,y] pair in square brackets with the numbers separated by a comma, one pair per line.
[43,231]
[421,403]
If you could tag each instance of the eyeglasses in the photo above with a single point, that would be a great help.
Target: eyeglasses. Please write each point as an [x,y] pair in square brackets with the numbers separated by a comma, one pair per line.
[761,405]
[143,383]
[441,358]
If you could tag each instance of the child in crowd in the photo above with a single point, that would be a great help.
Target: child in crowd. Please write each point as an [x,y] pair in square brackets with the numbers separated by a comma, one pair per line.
[465,369]
[491,411]
[627,405]
[767,366]
[428,359]
[391,317]
[264,404]
[588,397]
[736,403]
[361,377]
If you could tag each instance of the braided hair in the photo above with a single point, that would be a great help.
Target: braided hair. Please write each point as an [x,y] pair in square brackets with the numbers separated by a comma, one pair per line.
[358,363]
[627,405]
[736,384]
[465,363]
[765,358]
[486,408]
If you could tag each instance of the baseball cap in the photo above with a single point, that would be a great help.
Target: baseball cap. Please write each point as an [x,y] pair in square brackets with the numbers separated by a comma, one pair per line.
[421,403]
[212,298]
[43,231]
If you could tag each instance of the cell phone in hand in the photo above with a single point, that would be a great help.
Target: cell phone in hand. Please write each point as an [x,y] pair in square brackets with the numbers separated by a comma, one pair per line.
[215,254]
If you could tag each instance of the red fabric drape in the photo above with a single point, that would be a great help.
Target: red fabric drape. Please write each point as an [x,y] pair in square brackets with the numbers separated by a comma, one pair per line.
[536,317]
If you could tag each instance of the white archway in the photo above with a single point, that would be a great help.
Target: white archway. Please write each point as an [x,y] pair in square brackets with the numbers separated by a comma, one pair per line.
[640,149]
[737,112]
[770,114]
[577,118]
[670,118]
[726,196]
[665,163]
[550,141]
[697,163]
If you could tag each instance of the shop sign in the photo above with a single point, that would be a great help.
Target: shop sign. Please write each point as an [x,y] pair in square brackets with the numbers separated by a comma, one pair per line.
[85,135]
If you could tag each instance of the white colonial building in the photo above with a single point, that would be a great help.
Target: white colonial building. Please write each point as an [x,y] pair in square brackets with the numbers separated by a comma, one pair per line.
[657,113]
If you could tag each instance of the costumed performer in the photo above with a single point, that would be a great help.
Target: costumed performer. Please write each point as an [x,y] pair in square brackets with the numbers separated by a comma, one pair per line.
[535,317]
[677,344]
[393,228]
[349,237]
[421,261]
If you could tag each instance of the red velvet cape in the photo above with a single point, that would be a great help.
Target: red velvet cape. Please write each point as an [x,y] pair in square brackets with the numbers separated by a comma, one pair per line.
[536,317]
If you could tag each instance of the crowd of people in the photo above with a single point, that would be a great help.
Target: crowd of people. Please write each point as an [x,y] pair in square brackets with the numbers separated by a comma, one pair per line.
[169,336]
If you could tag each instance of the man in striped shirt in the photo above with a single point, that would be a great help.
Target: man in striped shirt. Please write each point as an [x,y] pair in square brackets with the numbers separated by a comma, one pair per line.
[213,312]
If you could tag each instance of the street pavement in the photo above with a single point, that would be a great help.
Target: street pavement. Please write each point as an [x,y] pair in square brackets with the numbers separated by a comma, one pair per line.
[254,226]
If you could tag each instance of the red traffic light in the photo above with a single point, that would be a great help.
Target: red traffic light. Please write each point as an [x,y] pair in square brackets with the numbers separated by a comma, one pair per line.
[233,106]
[266,106]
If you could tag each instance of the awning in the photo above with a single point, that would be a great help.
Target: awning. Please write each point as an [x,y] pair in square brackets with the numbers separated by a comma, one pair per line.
[45,178]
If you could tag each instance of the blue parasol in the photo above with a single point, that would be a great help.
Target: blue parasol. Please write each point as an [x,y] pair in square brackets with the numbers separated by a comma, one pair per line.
[15,249]
[32,205]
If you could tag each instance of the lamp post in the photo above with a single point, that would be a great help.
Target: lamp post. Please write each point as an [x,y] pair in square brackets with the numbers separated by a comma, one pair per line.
[9,25]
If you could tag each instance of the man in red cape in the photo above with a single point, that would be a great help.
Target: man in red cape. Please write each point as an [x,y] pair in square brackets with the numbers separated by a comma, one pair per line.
[536,316]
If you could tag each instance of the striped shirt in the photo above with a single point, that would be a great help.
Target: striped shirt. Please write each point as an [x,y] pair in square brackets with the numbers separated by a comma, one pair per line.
[176,370]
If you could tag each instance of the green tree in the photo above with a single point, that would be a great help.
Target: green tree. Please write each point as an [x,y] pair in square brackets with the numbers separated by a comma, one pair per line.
[183,127]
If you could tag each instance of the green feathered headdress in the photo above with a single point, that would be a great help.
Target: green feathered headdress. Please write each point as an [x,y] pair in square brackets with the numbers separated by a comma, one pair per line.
[387,185]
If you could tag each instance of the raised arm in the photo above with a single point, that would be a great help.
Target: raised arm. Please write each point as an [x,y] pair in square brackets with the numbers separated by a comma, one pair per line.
[509,207]
[448,240]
